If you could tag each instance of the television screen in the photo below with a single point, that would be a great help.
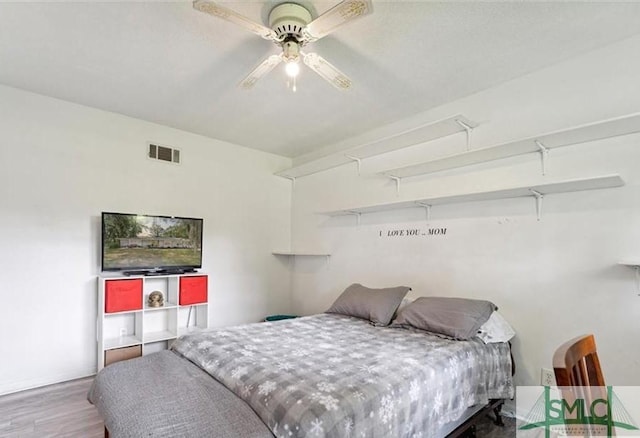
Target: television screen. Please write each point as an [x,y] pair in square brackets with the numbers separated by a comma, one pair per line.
[143,242]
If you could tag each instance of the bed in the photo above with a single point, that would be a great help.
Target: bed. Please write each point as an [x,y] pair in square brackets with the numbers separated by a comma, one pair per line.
[327,375]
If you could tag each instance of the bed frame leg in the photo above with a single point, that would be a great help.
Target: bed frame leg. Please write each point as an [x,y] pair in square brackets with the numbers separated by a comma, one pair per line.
[497,412]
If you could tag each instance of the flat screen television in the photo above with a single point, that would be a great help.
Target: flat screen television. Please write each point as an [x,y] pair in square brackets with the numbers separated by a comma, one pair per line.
[145,244]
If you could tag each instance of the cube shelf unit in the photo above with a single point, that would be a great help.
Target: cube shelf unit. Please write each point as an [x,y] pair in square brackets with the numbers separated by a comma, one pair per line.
[128,327]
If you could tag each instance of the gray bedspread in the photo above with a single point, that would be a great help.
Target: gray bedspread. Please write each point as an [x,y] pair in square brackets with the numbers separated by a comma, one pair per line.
[164,395]
[335,376]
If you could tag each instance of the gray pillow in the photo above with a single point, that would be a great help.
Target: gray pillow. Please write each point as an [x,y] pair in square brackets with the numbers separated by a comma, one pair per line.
[459,318]
[375,305]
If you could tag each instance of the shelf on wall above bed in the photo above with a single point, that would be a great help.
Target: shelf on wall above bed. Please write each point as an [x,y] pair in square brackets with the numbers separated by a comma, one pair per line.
[536,191]
[624,125]
[420,134]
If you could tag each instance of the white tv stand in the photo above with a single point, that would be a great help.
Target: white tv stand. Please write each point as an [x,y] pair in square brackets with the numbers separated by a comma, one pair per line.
[127,327]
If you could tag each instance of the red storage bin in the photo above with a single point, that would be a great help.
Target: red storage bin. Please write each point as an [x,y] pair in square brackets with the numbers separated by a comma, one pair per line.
[121,295]
[193,290]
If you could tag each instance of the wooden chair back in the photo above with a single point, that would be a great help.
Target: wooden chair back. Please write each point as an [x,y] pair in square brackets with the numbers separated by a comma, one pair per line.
[578,375]
[576,363]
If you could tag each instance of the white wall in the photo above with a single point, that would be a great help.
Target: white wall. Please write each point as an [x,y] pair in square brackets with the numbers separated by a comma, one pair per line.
[62,164]
[552,279]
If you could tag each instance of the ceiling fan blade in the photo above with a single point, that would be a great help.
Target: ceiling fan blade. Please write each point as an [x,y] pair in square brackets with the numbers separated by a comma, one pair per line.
[265,67]
[340,14]
[216,10]
[328,72]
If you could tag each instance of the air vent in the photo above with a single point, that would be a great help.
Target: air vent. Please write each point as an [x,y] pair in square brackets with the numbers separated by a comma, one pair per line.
[164,153]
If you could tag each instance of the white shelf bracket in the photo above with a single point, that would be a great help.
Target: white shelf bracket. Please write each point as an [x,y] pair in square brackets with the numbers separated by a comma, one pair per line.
[357,215]
[636,269]
[544,153]
[356,159]
[427,207]
[397,180]
[539,196]
[468,129]
[292,179]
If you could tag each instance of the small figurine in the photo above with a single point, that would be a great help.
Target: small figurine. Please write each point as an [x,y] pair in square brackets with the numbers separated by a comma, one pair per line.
[156,299]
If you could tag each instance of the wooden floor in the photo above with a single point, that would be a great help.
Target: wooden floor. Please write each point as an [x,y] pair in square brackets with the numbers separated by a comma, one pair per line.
[60,410]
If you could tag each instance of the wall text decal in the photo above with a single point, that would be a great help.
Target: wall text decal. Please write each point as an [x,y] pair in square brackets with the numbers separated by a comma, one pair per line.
[412,232]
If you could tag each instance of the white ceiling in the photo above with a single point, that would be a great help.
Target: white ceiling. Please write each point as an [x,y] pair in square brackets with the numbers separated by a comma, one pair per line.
[168,63]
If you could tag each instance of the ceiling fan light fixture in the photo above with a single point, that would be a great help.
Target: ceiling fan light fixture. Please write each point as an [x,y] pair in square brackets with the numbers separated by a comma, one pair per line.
[292,68]
[291,56]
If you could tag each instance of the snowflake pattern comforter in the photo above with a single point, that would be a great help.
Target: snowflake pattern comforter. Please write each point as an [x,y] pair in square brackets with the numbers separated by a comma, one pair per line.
[335,376]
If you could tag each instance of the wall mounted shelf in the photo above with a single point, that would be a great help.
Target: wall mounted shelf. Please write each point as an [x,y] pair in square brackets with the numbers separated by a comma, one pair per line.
[420,134]
[301,254]
[306,254]
[537,192]
[541,144]
[630,263]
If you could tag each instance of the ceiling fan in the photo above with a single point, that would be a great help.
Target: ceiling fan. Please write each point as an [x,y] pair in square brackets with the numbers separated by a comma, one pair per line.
[291,27]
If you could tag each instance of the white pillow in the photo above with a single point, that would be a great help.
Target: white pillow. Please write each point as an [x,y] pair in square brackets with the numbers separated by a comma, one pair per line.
[496,329]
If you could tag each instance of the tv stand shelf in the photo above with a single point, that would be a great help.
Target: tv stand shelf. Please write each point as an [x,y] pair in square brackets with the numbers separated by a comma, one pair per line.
[158,272]
[127,326]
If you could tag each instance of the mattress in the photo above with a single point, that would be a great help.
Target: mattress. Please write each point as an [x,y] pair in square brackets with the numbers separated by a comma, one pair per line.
[323,375]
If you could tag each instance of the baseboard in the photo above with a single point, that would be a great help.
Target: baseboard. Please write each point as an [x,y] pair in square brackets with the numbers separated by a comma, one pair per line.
[24,385]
